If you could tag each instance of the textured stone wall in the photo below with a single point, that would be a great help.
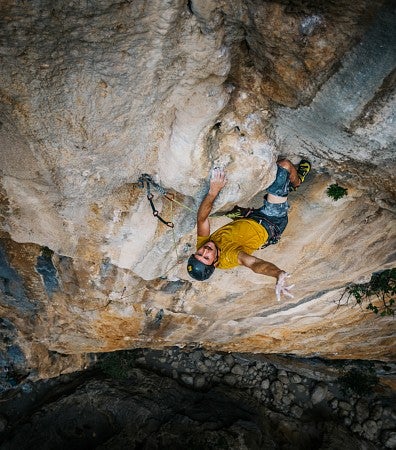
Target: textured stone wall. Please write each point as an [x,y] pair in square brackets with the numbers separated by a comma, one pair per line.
[179,398]
[94,94]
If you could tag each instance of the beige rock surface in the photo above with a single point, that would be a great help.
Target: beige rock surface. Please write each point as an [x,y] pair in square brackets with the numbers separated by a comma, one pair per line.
[92,97]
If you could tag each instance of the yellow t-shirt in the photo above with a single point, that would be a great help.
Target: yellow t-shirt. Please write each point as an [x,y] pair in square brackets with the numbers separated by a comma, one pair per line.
[242,235]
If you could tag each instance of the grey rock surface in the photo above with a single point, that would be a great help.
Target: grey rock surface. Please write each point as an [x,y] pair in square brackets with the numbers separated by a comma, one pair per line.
[94,94]
[139,407]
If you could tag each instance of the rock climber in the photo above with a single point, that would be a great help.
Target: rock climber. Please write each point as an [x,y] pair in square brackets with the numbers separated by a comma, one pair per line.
[251,229]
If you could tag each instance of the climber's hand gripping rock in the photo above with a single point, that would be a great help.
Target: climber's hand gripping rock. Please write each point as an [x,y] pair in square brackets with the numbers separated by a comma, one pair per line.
[281,287]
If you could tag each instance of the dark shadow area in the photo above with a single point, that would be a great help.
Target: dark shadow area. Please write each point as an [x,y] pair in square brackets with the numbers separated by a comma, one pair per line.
[191,398]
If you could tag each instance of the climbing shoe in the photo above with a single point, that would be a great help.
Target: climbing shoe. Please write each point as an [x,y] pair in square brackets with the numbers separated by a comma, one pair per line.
[303,169]
[237,212]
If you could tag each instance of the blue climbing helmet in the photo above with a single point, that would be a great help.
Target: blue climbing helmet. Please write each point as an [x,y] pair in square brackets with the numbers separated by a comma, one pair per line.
[198,270]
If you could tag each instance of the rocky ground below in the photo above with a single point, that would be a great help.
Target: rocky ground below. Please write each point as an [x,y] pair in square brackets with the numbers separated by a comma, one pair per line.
[313,393]
[193,398]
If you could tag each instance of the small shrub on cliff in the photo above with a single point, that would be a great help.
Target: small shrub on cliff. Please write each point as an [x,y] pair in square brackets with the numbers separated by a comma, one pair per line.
[116,365]
[336,192]
[357,381]
[381,289]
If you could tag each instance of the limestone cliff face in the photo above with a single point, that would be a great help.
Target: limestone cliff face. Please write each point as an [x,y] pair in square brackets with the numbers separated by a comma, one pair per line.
[95,94]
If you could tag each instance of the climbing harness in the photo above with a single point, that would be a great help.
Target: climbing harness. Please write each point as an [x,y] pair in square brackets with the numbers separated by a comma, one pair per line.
[274,233]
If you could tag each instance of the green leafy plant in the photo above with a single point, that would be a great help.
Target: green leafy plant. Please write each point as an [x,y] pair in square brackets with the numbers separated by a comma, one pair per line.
[336,192]
[357,381]
[380,289]
[116,364]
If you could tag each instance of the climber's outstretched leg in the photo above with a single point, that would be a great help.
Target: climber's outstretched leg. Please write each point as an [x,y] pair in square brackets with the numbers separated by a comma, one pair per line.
[275,207]
[297,175]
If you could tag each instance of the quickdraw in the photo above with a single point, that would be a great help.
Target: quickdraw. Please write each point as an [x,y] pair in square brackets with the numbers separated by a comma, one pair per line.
[145,178]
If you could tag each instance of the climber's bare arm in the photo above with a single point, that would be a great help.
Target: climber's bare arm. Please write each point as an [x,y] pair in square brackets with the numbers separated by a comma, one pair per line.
[259,265]
[217,182]
[266,268]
